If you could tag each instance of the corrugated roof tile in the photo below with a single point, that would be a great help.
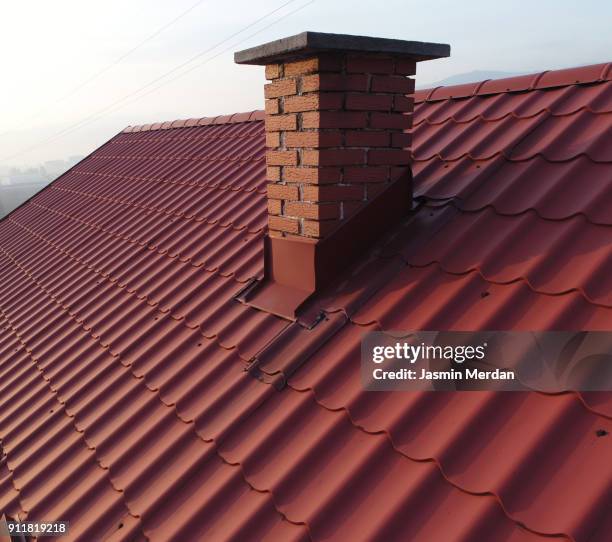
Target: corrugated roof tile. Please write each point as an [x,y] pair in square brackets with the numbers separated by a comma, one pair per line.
[131,400]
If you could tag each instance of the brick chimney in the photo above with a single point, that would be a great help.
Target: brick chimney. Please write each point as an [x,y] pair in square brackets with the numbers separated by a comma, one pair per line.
[338,158]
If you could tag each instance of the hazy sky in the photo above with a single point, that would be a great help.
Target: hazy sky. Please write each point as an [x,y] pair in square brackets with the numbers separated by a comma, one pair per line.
[51,48]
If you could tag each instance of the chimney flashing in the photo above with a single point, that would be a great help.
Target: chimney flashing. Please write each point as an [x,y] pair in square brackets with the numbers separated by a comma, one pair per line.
[308,43]
[338,114]
[298,267]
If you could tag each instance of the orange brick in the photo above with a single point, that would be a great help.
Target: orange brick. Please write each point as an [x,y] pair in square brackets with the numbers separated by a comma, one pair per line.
[277,123]
[272,106]
[281,158]
[275,233]
[401,139]
[282,87]
[369,64]
[281,223]
[313,139]
[392,83]
[393,157]
[272,139]
[366,174]
[333,157]
[405,66]
[390,120]
[334,119]
[314,102]
[312,210]
[319,63]
[313,228]
[332,193]
[404,104]
[314,175]
[363,138]
[334,82]
[369,102]
[273,71]
[283,191]
[273,173]
[274,206]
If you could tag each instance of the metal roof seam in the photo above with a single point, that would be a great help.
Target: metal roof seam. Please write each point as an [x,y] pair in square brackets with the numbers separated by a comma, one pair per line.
[4,465]
[140,380]
[54,181]
[12,507]
[202,121]
[161,252]
[128,293]
[211,186]
[120,491]
[269,492]
[54,393]
[571,76]
[512,114]
[459,204]
[298,354]
[198,160]
[432,460]
[165,212]
[577,394]
[522,279]
[505,155]
[545,220]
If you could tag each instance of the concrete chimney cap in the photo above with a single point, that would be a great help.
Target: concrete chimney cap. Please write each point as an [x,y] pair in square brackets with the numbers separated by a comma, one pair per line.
[308,43]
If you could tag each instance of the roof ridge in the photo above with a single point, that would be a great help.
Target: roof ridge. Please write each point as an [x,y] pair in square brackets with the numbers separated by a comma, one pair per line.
[580,75]
[248,116]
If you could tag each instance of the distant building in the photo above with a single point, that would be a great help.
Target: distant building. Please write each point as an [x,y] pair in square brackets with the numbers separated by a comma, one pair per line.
[30,175]
[54,168]
[13,195]
[74,160]
[18,185]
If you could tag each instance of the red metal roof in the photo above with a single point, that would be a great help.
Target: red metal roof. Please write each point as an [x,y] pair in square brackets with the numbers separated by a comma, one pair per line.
[128,402]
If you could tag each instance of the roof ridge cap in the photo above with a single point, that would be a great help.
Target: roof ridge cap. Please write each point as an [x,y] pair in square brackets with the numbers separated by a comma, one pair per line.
[234,118]
[580,75]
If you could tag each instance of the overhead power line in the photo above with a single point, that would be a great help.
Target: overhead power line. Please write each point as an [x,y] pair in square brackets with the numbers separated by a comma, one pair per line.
[116,104]
[107,68]
[233,46]
[199,65]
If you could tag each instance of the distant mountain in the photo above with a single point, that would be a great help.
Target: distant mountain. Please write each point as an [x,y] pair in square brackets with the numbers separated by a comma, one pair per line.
[470,77]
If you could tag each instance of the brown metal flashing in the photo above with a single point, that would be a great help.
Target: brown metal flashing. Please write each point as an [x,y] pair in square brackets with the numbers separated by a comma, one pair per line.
[296,267]
[279,360]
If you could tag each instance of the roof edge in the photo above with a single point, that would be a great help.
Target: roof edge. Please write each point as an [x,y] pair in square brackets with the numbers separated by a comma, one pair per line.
[248,116]
[594,73]
[582,75]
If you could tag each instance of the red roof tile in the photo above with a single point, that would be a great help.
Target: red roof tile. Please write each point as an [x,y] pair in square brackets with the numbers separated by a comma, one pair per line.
[594,73]
[129,404]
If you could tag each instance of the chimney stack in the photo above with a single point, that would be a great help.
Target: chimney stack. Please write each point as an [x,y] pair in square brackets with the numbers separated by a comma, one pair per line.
[337,112]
